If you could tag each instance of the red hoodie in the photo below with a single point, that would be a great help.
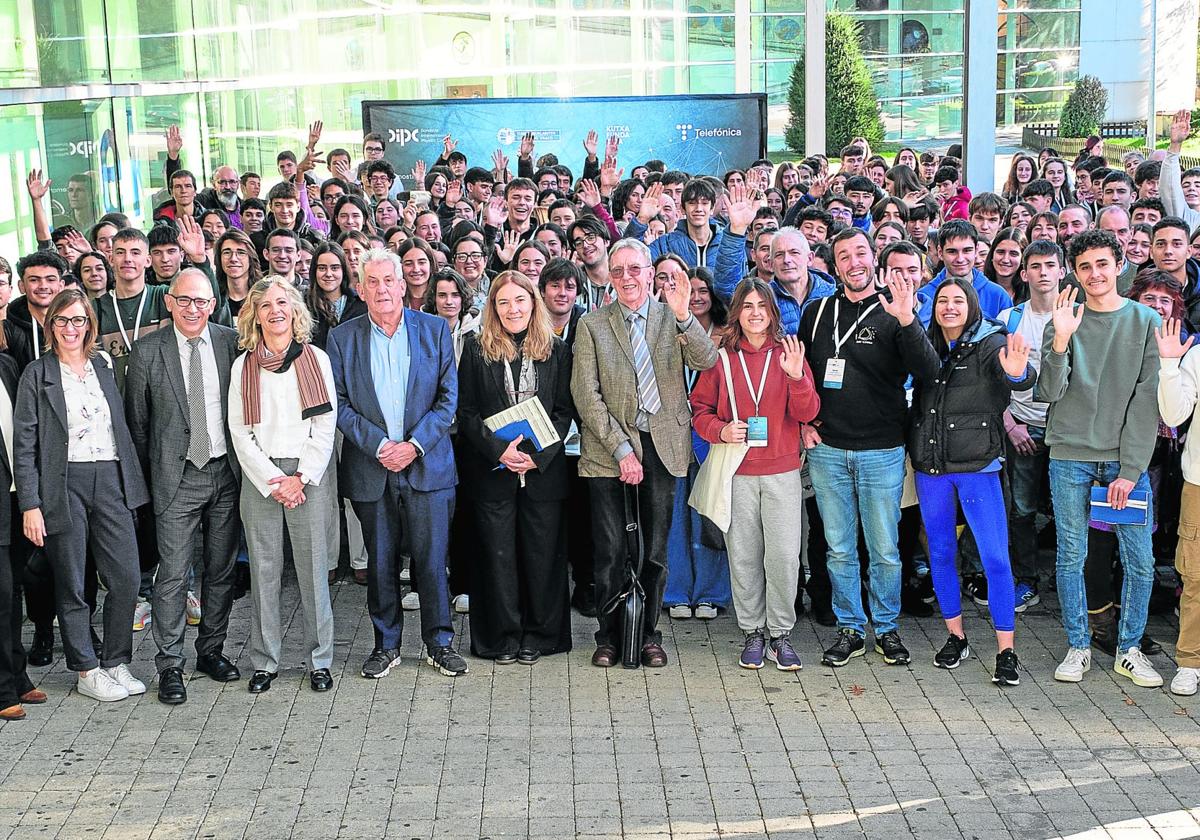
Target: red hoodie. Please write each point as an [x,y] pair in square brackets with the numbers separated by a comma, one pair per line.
[786,403]
[958,206]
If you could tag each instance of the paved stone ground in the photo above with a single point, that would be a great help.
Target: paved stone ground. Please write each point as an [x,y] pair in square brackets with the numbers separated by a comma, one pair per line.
[700,749]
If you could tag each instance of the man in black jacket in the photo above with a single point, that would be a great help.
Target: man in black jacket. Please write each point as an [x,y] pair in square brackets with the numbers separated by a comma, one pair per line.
[862,346]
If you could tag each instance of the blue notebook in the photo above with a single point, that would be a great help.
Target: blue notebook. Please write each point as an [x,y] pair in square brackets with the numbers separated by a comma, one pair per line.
[1135,512]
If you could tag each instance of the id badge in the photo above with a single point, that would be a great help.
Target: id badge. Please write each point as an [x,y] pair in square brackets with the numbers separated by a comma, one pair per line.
[756,431]
[835,372]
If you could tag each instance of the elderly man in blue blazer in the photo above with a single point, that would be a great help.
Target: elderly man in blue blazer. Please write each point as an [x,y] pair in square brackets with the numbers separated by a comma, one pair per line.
[397,389]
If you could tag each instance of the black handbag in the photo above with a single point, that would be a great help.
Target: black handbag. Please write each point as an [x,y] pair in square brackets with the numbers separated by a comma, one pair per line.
[630,602]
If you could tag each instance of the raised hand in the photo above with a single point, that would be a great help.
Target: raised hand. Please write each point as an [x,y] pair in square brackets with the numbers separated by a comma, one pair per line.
[191,239]
[1168,338]
[651,202]
[78,243]
[1014,356]
[454,191]
[525,150]
[449,144]
[1066,318]
[1181,127]
[309,162]
[588,192]
[508,246]
[418,175]
[36,186]
[409,216]
[500,166]
[819,186]
[741,209]
[590,143]
[610,176]
[677,291]
[792,361]
[314,134]
[903,297]
[174,142]
[495,211]
[611,146]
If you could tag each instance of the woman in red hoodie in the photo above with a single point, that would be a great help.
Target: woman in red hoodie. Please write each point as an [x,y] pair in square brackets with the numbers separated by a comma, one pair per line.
[774,393]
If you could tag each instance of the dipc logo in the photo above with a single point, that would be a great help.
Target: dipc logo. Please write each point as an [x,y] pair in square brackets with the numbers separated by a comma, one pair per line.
[506,137]
[403,136]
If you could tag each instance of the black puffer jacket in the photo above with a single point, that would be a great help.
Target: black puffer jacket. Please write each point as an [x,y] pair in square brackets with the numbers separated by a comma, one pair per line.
[956,424]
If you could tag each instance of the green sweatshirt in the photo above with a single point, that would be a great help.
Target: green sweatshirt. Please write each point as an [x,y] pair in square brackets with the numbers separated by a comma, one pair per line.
[1103,390]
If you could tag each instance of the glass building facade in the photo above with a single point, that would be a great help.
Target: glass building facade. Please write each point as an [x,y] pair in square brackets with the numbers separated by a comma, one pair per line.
[87,87]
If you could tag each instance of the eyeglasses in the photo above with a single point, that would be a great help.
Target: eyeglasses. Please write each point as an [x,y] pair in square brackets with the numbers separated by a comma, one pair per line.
[477,256]
[227,182]
[586,239]
[379,179]
[188,302]
[77,321]
[633,271]
[279,252]
[373,149]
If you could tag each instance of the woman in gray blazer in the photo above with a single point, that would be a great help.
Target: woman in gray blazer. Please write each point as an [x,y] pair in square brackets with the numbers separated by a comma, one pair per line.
[78,482]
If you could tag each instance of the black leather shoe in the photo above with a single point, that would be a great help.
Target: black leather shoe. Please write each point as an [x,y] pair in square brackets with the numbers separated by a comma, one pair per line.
[528,656]
[171,689]
[653,656]
[605,656]
[41,653]
[505,658]
[260,682]
[321,679]
[216,666]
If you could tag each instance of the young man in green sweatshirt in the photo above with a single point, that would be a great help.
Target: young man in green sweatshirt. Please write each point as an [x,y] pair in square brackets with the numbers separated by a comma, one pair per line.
[1099,374]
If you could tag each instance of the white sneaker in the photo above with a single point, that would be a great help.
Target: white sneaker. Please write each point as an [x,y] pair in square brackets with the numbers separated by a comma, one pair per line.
[411,601]
[1134,664]
[680,611]
[127,680]
[1185,682]
[1077,663]
[706,612]
[193,609]
[99,685]
[142,615]
[462,604]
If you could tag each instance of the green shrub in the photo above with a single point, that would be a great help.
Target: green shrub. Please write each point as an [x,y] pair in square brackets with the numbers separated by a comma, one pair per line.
[851,105]
[1084,109]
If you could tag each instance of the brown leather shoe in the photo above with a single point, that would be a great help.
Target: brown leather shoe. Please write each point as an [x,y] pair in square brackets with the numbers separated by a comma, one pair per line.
[653,656]
[34,697]
[360,577]
[12,713]
[605,656]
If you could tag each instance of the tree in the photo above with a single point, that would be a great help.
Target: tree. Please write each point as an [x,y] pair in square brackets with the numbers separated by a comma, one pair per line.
[851,105]
[1084,109]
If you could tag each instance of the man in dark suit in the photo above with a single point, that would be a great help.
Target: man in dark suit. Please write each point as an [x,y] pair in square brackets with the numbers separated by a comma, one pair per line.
[15,686]
[397,393]
[176,395]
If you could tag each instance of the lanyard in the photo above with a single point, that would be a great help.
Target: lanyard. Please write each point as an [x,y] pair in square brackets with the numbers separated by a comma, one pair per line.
[839,340]
[137,320]
[762,382]
[690,376]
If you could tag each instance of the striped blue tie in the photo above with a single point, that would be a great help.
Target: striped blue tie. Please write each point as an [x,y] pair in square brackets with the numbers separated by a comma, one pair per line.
[647,384]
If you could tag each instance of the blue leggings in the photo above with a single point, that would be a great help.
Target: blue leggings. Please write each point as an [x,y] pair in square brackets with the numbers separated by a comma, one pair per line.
[983,504]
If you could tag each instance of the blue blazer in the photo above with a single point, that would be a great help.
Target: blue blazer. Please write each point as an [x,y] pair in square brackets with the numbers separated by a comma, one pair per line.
[430,403]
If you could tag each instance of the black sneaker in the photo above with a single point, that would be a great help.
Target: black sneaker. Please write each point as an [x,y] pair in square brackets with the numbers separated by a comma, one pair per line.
[379,663]
[1006,668]
[447,660]
[849,644]
[977,590]
[952,653]
[892,649]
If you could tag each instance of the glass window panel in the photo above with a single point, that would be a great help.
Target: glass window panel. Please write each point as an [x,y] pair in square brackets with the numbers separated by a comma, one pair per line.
[911,34]
[774,78]
[1018,71]
[50,44]
[924,117]
[711,78]
[894,78]
[877,7]
[776,37]
[151,40]
[1035,5]
[710,38]
[1041,30]
[1030,106]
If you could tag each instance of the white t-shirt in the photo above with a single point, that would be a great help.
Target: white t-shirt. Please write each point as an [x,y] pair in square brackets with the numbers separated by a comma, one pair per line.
[1032,326]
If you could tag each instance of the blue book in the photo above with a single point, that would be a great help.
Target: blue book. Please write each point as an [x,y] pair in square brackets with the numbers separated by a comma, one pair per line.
[513,430]
[1135,512]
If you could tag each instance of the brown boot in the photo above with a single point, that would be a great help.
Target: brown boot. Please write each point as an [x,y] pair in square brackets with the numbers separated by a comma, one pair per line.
[1104,630]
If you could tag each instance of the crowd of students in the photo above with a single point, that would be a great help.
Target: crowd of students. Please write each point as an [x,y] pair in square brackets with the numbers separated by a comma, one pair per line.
[928,383]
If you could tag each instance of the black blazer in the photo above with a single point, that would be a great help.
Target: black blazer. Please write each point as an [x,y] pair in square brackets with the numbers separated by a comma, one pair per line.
[481,394]
[156,407]
[40,442]
[9,374]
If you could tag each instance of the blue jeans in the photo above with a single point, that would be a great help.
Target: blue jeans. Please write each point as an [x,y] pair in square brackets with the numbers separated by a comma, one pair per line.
[1070,487]
[852,485]
[696,574]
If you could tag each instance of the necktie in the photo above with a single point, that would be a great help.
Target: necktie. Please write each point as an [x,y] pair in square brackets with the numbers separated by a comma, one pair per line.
[647,384]
[198,445]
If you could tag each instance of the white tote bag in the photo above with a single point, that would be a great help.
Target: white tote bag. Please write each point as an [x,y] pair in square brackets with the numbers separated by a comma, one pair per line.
[712,494]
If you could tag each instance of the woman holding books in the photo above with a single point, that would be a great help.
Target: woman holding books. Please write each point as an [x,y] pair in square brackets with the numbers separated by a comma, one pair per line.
[517,486]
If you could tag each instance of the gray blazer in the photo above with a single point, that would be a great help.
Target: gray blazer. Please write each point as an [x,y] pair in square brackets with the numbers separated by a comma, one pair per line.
[604,386]
[40,442]
[156,407]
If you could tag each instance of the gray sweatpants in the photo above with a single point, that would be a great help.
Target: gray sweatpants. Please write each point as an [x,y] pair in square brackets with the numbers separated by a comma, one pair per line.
[308,527]
[763,543]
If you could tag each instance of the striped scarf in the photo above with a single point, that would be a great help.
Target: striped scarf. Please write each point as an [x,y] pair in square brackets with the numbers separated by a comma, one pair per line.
[314,397]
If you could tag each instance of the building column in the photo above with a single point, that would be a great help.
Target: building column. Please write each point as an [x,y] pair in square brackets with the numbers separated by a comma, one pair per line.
[979,95]
[814,77]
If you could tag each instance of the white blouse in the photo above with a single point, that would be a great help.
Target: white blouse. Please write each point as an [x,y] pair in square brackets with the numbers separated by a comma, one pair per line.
[89,422]
[283,433]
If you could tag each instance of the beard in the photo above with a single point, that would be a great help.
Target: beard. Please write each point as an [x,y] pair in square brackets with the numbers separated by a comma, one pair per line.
[228,199]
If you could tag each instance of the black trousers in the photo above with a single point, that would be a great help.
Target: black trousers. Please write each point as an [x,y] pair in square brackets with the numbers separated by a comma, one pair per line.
[463,540]
[14,681]
[520,600]
[656,500]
